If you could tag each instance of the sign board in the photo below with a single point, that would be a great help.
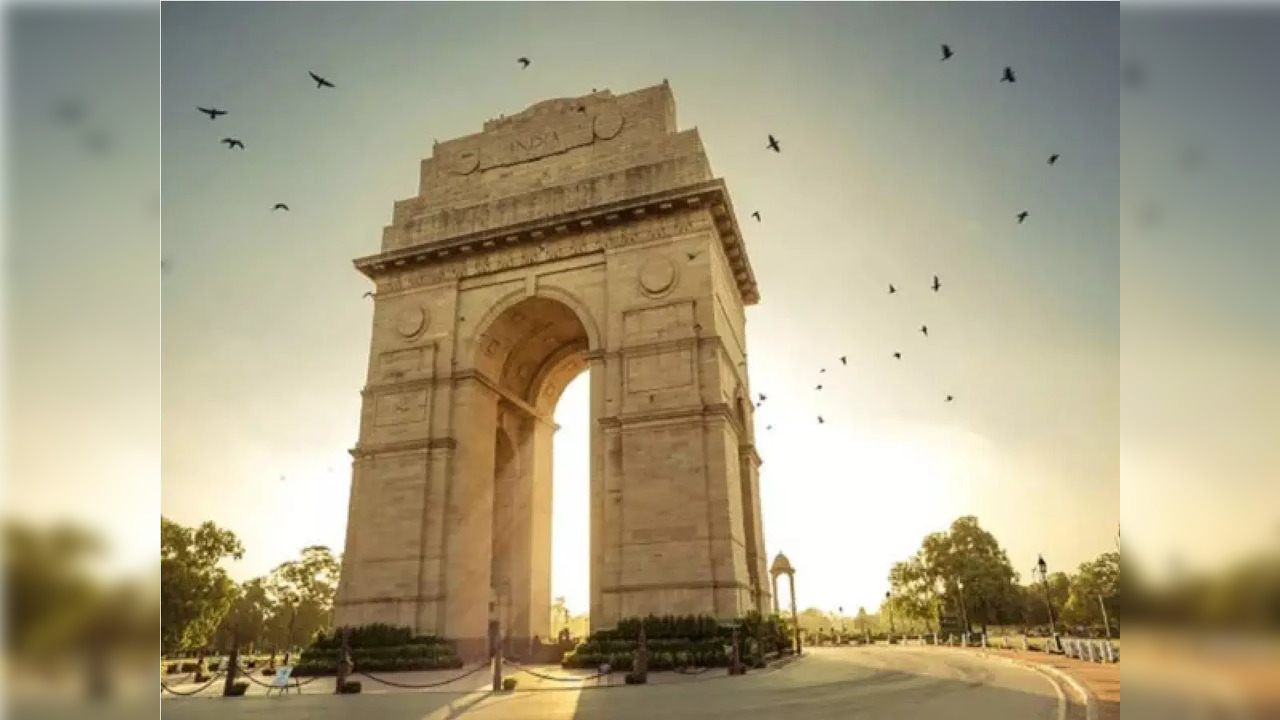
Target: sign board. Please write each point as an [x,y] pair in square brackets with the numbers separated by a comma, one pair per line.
[281,680]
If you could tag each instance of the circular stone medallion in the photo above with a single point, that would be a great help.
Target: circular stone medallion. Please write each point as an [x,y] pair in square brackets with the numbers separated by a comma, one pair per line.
[411,322]
[607,123]
[465,162]
[657,277]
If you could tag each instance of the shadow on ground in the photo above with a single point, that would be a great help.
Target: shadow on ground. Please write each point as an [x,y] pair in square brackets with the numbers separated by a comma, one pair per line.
[837,684]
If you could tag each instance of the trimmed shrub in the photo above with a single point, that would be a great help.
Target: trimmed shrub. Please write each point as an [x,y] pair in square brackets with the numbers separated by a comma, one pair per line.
[636,679]
[188,667]
[509,684]
[171,669]
[238,688]
[351,687]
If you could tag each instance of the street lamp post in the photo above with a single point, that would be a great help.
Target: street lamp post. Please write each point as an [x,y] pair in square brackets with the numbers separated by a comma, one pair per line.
[964,611]
[1043,567]
[888,604]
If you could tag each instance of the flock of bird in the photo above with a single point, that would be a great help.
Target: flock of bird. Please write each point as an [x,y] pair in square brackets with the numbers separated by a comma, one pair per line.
[1133,75]
[234,143]
[774,144]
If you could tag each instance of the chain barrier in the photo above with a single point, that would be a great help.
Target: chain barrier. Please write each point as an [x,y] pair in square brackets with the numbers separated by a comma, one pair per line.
[409,686]
[552,678]
[178,681]
[251,678]
[202,688]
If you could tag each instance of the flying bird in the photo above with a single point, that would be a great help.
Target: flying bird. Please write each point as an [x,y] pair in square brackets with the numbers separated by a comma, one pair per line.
[768,427]
[763,397]
[1008,76]
[822,370]
[70,112]
[368,294]
[820,420]
[280,206]
[818,388]
[232,143]
[946,52]
[524,62]
[1053,158]
[936,285]
[925,330]
[320,82]
[1022,216]
[949,399]
[756,215]
[897,356]
[844,360]
[892,289]
[212,112]
[692,255]
[774,145]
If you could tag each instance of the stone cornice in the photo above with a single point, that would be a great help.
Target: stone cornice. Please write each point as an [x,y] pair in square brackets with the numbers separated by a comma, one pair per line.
[362,450]
[693,412]
[712,195]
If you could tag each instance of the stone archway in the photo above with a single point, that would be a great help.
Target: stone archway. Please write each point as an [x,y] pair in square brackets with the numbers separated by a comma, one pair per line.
[583,233]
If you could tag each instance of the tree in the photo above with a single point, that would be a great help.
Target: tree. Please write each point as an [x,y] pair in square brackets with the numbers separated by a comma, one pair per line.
[195,593]
[1096,581]
[246,622]
[49,594]
[929,582]
[303,591]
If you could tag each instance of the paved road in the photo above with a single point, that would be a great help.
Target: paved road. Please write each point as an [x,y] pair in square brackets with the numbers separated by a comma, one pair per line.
[882,683]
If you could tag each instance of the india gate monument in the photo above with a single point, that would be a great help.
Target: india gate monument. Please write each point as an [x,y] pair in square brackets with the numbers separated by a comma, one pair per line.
[583,233]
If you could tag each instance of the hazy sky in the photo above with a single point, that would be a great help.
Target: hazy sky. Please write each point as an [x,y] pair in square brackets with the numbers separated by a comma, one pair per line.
[895,167]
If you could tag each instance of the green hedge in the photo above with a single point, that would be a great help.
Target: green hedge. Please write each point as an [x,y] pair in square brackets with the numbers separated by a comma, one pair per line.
[308,667]
[681,641]
[377,648]
[374,635]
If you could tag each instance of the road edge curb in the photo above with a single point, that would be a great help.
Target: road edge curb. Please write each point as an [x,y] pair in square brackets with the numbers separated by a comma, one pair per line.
[1087,696]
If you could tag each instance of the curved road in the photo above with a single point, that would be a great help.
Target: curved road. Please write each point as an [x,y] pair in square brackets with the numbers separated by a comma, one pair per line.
[878,683]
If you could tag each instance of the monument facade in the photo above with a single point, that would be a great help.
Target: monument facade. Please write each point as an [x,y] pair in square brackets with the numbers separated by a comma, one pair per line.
[583,234]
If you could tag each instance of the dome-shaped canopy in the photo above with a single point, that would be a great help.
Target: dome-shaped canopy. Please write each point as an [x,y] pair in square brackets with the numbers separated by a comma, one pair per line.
[781,566]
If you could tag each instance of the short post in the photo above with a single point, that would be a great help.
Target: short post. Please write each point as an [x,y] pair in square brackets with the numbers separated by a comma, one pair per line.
[984,641]
[1109,653]
[641,668]
[495,652]
[344,663]
[233,660]
[735,664]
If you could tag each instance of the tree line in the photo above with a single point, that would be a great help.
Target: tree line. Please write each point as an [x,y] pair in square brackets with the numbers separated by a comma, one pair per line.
[202,608]
[962,577]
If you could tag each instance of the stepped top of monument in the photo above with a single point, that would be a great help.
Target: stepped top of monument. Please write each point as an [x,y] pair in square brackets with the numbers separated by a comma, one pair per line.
[572,162]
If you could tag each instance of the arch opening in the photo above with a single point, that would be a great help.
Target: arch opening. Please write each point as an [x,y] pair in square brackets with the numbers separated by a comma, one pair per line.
[529,354]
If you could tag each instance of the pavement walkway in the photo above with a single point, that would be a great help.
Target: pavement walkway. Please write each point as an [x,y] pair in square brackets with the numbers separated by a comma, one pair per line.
[1102,680]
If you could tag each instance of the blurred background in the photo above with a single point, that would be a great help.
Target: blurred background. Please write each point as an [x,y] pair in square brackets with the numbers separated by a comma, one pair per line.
[1200,318]
[81,359]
